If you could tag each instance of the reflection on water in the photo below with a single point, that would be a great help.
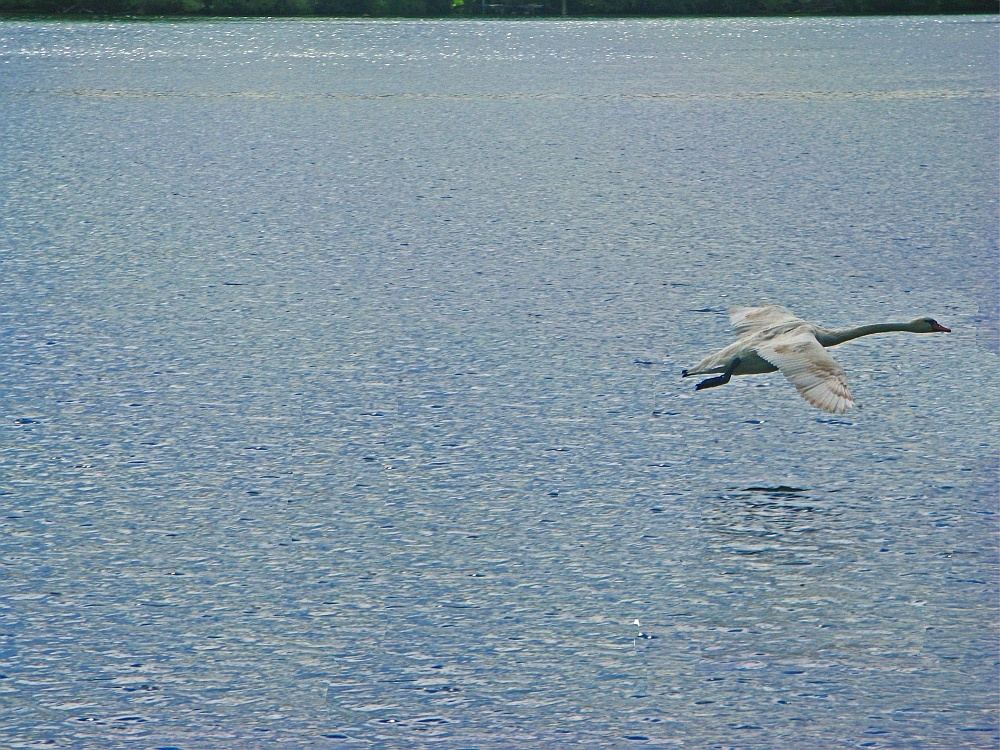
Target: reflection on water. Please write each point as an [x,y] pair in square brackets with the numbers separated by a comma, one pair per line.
[341,399]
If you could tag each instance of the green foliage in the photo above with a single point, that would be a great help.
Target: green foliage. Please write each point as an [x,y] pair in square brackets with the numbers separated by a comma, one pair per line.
[770,7]
[170,7]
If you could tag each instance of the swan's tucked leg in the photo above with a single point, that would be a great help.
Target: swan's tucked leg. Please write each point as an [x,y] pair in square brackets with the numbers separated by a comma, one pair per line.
[722,379]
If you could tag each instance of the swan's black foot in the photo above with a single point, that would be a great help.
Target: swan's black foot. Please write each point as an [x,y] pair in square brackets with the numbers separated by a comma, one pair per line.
[684,373]
[722,379]
[711,383]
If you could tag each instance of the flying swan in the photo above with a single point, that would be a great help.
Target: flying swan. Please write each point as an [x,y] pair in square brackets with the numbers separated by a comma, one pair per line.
[772,338]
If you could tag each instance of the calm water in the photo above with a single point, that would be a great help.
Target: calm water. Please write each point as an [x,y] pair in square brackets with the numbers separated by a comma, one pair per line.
[339,396]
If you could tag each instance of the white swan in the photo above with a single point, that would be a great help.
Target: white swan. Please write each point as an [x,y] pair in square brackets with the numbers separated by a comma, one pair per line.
[772,338]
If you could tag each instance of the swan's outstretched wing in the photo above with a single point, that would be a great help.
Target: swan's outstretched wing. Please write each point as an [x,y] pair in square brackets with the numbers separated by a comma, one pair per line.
[817,376]
[748,320]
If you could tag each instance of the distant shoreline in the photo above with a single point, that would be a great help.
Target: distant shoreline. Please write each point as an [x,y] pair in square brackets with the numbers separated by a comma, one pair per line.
[189,10]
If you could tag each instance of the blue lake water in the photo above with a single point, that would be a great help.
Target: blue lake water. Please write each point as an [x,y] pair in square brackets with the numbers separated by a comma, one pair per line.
[340,401]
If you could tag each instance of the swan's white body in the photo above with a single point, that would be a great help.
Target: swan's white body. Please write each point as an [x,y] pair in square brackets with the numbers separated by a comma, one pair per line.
[772,338]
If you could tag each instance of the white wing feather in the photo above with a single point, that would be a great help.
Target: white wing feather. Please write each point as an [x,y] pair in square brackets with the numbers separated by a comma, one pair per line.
[814,373]
[749,320]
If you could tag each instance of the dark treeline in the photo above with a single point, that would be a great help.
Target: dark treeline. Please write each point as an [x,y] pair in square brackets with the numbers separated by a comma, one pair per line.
[467,8]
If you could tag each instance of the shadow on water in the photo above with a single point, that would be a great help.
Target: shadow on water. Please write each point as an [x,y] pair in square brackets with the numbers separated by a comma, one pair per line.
[780,491]
[773,525]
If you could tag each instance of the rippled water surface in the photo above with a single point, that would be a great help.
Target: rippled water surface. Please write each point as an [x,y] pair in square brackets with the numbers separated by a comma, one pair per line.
[339,395]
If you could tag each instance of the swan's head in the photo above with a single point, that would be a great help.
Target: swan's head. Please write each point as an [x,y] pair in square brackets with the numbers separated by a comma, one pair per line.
[927,325]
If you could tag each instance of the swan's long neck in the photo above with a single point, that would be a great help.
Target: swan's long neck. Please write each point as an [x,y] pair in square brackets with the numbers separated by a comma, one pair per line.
[840,335]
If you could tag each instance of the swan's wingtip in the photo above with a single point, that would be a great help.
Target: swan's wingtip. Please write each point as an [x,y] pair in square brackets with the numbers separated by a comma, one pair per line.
[846,406]
[830,402]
